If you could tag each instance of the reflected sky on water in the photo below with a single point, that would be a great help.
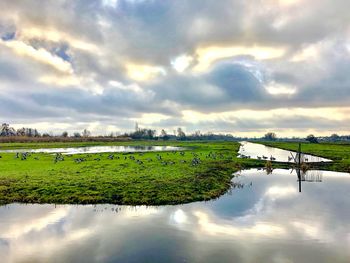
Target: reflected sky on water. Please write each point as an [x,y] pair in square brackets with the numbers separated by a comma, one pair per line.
[263,218]
[259,151]
[96,149]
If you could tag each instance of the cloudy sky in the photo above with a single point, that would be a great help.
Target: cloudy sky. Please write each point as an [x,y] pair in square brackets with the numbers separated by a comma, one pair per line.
[229,66]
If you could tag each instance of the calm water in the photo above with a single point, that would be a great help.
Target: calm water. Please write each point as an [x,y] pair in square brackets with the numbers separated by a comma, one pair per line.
[263,219]
[256,151]
[98,149]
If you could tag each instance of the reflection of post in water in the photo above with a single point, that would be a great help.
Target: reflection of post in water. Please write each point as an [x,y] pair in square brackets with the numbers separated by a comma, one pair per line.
[302,170]
[297,159]
[299,178]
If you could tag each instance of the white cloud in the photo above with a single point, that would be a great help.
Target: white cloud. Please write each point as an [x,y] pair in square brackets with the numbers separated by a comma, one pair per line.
[181,63]
[144,72]
[40,55]
[208,55]
[280,89]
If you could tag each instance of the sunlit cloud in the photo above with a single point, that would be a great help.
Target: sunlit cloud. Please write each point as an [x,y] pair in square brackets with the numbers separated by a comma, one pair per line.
[150,118]
[288,2]
[208,55]
[306,54]
[144,72]
[60,80]
[279,89]
[53,35]
[181,63]
[40,55]
[331,113]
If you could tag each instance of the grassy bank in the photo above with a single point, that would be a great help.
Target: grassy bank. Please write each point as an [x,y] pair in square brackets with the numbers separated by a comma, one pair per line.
[124,179]
[338,152]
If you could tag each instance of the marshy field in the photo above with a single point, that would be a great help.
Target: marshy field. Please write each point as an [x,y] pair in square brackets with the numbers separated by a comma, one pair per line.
[194,171]
[171,201]
[134,172]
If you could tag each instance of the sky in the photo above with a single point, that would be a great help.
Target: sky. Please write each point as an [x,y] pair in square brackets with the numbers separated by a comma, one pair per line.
[230,66]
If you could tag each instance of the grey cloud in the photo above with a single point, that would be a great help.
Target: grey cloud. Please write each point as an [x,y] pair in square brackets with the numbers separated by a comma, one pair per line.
[227,85]
[154,32]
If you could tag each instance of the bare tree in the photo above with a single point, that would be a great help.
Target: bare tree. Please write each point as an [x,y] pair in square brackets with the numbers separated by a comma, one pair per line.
[6,130]
[164,135]
[86,133]
[181,134]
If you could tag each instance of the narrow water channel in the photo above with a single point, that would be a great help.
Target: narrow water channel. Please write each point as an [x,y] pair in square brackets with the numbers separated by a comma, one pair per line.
[261,152]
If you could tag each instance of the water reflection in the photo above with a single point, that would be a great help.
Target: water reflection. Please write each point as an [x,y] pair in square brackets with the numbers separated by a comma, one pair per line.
[308,176]
[97,149]
[264,219]
[262,152]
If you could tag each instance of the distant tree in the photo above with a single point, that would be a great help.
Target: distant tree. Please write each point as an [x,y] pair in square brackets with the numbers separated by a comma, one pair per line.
[150,134]
[197,134]
[164,135]
[28,132]
[143,134]
[77,135]
[21,132]
[46,135]
[311,138]
[36,133]
[65,134]
[270,136]
[334,137]
[181,134]
[86,133]
[6,130]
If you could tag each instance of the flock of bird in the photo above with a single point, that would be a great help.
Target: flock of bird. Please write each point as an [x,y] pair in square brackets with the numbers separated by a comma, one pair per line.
[271,158]
[162,158]
[263,157]
[59,157]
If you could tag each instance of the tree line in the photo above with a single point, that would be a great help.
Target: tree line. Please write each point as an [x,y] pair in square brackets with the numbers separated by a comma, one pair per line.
[271,136]
[150,134]
[7,131]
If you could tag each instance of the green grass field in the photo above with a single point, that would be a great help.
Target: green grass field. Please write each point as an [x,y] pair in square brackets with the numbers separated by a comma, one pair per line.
[338,152]
[121,180]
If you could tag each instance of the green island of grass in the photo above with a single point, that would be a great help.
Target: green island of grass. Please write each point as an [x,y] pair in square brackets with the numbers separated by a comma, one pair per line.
[144,180]
[129,178]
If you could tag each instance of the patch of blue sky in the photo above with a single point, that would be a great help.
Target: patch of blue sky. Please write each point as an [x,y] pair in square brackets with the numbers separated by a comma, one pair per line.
[61,51]
[8,36]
